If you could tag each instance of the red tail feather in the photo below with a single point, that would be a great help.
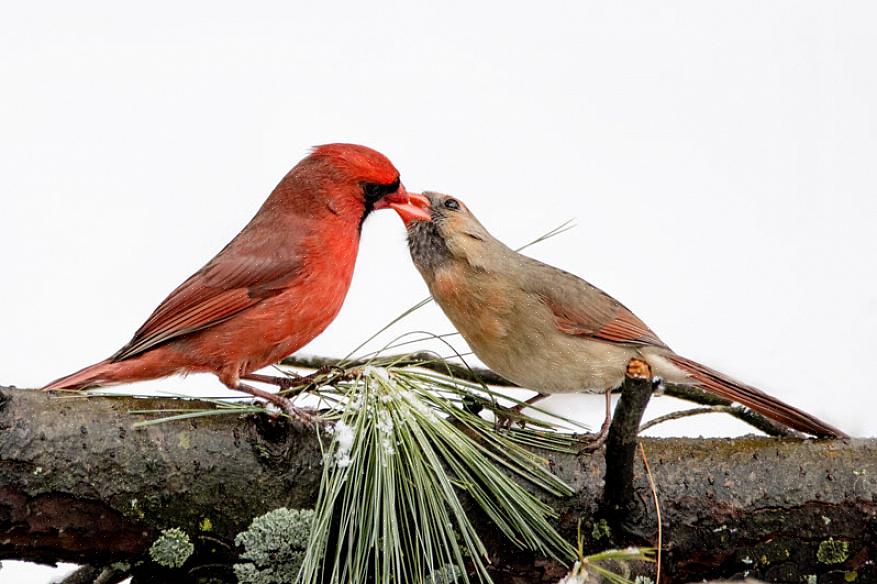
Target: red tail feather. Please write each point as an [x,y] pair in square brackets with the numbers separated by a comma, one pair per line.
[91,376]
[757,400]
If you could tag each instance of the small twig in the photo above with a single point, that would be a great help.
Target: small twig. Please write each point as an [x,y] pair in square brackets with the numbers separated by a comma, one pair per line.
[619,502]
[754,419]
[678,415]
[654,489]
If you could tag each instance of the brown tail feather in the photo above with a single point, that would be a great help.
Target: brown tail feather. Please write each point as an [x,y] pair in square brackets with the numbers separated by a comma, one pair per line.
[91,376]
[731,389]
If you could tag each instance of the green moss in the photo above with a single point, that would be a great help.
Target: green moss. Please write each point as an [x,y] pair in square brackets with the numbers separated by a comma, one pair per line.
[263,452]
[601,530]
[767,554]
[172,548]
[275,544]
[851,576]
[832,552]
[135,508]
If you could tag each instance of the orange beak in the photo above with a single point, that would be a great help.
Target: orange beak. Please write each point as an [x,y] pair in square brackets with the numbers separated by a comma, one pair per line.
[417,208]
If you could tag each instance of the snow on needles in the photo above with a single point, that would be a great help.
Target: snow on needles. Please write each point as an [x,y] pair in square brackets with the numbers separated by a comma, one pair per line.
[344,440]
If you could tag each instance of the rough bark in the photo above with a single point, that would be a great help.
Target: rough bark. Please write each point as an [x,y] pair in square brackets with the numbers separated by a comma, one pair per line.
[78,483]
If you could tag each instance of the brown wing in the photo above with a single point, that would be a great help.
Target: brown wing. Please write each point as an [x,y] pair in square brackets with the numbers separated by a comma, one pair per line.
[584,310]
[229,284]
[622,327]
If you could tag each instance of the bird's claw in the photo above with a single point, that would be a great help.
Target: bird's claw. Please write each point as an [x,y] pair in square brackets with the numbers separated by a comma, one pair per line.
[506,417]
[592,442]
[307,417]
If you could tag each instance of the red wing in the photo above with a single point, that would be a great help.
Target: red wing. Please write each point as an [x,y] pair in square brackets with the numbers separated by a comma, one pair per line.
[217,292]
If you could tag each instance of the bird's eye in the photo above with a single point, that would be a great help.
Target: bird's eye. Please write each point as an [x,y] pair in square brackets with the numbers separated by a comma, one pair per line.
[374,191]
[452,204]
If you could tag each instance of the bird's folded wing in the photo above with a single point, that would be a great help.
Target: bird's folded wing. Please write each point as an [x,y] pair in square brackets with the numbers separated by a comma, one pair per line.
[584,310]
[622,327]
[217,292]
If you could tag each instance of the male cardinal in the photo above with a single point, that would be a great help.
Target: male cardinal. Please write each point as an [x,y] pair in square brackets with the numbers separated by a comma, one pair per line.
[546,329]
[273,288]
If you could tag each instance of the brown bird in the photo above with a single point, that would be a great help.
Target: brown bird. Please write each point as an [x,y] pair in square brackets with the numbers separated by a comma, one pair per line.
[273,288]
[546,329]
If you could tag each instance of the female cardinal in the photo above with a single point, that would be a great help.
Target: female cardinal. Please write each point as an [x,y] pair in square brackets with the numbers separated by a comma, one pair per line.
[273,288]
[546,329]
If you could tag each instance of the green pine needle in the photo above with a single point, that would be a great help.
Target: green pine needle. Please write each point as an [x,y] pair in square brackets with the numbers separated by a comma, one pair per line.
[402,453]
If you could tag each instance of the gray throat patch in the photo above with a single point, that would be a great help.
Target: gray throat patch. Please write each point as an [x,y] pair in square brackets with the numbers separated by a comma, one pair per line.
[427,246]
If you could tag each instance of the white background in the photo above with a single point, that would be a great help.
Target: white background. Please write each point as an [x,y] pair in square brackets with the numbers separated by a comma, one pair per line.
[719,160]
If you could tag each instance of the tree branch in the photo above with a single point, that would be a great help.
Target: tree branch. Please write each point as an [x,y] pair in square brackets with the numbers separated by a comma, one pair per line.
[79,484]
[423,359]
[433,362]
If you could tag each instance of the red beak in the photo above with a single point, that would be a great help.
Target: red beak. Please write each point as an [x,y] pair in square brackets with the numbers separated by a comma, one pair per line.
[400,196]
[417,208]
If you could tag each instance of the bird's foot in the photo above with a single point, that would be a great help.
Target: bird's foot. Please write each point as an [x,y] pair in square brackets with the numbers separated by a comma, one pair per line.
[307,417]
[304,416]
[595,440]
[506,417]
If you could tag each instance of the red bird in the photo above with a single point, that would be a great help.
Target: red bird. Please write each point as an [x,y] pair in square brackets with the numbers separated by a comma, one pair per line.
[273,288]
